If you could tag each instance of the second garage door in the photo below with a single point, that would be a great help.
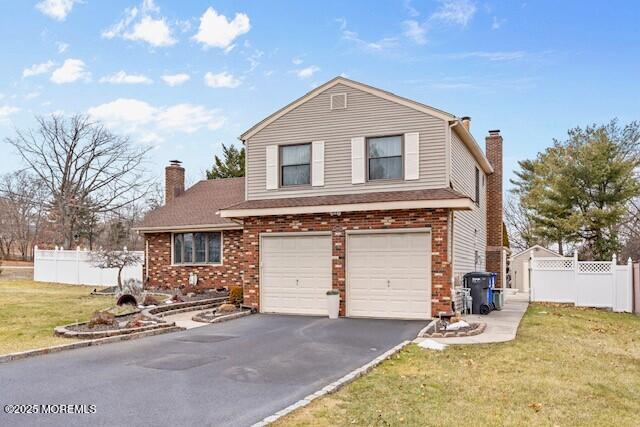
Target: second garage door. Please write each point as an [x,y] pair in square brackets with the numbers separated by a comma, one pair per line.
[295,273]
[389,275]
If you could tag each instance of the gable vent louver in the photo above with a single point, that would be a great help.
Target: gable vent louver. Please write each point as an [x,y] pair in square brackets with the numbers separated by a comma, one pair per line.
[339,101]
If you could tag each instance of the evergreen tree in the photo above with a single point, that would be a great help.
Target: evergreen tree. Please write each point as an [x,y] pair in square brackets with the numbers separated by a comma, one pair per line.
[579,190]
[232,166]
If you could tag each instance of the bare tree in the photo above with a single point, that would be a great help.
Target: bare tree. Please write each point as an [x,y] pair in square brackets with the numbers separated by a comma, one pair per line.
[87,170]
[104,258]
[22,204]
[518,222]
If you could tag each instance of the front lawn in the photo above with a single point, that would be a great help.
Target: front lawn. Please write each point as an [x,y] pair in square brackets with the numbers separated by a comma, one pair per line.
[568,366]
[29,311]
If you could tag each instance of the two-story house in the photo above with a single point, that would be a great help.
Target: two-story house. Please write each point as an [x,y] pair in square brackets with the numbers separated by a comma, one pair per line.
[349,187]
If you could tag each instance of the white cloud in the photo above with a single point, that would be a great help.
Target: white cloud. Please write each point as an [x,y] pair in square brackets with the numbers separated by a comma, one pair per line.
[296,60]
[223,79]
[254,59]
[121,77]
[36,69]
[491,56]
[458,12]
[415,31]
[189,118]
[147,123]
[56,9]
[411,11]
[156,32]
[70,71]
[217,31]
[353,37]
[139,24]
[497,23]
[175,79]
[62,47]
[32,95]
[307,72]
[123,111]
[380,45]
[6,111]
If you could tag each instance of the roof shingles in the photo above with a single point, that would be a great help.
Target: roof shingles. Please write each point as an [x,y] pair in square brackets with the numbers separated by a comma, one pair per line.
[341,199]
[198,205]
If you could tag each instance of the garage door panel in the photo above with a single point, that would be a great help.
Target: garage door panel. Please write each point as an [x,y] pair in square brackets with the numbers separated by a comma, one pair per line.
[295,274]
[389,275]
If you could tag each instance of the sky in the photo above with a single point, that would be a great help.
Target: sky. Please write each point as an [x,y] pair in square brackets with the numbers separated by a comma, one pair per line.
[183,77]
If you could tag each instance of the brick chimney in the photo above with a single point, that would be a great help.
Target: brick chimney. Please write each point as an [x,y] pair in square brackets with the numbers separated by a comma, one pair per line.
[173,181]
[494,260]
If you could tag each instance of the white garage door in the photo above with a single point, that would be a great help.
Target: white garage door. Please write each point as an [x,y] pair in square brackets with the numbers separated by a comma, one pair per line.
[389,275]
[295,274]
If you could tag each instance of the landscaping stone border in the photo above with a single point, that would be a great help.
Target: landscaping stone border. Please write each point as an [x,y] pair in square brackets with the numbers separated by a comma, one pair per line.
[224,318]
[158,312]
[154,313]
[86,343]
[477,330]
[63,331]
[334,386]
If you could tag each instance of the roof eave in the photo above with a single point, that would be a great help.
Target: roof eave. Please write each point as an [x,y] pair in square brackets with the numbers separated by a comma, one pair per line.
[351,83]
[472,145]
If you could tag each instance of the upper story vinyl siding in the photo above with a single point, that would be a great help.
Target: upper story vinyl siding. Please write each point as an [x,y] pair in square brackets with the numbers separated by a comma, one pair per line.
[469,227]
[366,115]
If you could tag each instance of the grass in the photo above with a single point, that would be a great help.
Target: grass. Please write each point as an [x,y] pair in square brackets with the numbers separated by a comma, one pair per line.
[29,311]
[568,366]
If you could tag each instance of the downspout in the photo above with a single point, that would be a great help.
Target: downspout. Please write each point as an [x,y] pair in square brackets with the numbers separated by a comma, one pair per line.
[146,259]
[450,185]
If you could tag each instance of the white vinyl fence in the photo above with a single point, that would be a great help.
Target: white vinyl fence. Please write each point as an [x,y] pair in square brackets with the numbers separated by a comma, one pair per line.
[75,268]
[583,283]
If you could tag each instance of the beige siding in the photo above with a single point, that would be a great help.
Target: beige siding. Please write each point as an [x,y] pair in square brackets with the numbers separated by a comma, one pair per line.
[469,227]
[366,115]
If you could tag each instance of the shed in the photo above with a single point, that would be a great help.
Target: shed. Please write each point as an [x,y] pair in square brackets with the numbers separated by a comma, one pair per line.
[520,265]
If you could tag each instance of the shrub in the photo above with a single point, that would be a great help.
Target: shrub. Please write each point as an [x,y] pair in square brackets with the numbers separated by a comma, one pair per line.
[177,298]
[226,308]
[102,318]
[136,322]
[236,296]
[150,300]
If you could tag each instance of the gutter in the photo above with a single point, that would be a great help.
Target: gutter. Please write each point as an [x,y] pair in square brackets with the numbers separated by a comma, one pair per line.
[473,146]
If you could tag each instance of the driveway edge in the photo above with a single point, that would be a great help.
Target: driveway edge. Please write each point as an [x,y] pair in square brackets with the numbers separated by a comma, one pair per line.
[334,386]
[85,343]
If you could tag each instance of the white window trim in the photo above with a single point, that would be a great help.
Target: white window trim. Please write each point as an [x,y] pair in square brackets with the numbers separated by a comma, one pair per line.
[199,264]
[367,158]
[280,165]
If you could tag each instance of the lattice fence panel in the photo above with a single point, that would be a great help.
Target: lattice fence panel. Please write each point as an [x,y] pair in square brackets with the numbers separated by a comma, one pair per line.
[594,267]
[553,264]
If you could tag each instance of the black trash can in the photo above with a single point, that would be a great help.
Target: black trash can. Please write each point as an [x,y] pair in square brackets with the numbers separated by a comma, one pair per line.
[481,285]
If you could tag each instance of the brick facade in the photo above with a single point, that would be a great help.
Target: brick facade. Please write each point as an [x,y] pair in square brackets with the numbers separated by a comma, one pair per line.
[494,206]
[436,219]
[163,275]
[173,181]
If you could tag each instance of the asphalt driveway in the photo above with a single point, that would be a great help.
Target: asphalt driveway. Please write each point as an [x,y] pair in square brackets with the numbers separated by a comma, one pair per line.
[233,373]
